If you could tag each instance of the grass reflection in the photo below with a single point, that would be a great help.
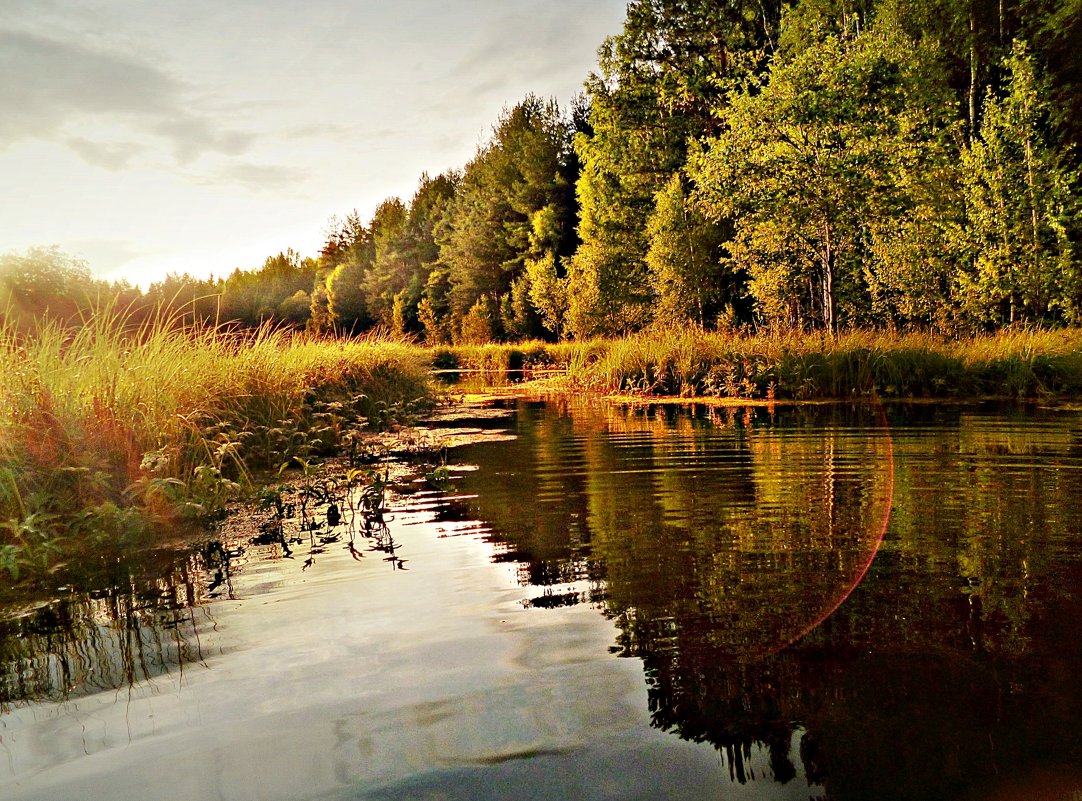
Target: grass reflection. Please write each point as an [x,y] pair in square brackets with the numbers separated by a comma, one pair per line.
[142,621]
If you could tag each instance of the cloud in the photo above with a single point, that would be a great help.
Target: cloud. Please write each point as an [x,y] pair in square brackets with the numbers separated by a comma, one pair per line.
[520,43]
[518,48]
[113,156]
[322,130]
[192,136]
[262,177]
[50,86]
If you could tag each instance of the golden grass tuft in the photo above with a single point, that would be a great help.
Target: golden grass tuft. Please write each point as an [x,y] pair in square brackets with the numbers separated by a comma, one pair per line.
[110,414]
[799,365]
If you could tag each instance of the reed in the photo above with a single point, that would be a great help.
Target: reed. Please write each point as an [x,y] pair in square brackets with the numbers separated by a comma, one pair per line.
[108,426]
[805,366]
[530,356]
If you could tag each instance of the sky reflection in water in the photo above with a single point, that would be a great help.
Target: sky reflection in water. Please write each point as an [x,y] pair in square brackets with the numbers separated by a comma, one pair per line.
[724,552]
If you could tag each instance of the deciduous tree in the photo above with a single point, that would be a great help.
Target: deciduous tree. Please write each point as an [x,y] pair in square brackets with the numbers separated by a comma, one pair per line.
[1022,214]
[807,167]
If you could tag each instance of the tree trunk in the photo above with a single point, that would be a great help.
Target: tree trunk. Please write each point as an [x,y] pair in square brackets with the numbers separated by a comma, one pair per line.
[972,72]
[827,259]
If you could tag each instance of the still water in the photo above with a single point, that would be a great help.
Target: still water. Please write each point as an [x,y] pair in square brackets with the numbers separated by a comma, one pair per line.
[824,602]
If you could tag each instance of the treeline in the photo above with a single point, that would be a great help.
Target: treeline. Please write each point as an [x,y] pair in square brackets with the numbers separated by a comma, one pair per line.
[890,163]
[47,283]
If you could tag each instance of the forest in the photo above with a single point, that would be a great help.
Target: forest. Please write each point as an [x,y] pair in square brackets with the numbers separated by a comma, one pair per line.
[905,165]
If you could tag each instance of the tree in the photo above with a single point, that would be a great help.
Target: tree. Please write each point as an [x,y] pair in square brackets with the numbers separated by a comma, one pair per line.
[433,310]
[808,166]
[344,292]
[296,309]
[657,85]
[338,300]
[477,323]
[187,298]
[1022,213]
[252,297]
[417,247]
[684,258]
[548,293]
[515,199]
[44,282]
[391,268]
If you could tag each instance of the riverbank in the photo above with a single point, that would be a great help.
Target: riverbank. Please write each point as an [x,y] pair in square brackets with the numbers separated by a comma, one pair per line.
[107,431]
[797,366]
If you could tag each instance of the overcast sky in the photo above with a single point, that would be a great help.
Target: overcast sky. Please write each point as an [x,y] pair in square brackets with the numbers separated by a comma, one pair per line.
[199,136]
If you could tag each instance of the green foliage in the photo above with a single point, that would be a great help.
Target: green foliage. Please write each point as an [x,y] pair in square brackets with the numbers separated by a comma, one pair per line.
[549,293]
[401,322]
[276,293]
[435,332]
[654,94]
[296,310]
[115,423]
[338,302]
[514,203]
[478,324]
[805,366]
[891,162]
[377,274]
[346,305]
[43,281]
[255,297]
[390,271]
[47,282]
[500,358]
[827,148]
[684,258]
[1022,214]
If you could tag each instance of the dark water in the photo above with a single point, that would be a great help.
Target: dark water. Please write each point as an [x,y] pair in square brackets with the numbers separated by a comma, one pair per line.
[823,602]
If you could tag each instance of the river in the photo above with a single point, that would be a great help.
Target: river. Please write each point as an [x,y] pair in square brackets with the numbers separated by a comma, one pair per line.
[600,602]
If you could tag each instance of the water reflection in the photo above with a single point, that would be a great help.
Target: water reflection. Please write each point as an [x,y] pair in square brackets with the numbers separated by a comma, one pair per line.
[691,522]
[837,602]
[724,544]
[141,620]
[127,617]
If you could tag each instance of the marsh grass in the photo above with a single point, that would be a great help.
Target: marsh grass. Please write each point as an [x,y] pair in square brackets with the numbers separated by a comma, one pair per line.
[807,366]
[531,356]
[110,428]
[107,428]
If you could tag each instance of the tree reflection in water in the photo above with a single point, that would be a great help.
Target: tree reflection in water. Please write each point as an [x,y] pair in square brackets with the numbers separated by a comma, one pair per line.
[733,551]
[723,545]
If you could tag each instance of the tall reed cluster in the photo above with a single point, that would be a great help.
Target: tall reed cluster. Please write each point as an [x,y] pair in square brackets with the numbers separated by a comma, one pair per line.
[531,356]
[805,366]
[105,426]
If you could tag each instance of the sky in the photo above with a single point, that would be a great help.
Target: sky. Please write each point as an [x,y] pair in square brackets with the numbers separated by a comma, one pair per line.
[148,137]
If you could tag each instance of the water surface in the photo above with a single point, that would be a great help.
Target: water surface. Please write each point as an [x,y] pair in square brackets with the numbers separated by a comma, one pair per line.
[816,602]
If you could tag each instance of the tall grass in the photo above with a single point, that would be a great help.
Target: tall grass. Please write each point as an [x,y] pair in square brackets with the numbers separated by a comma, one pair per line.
[806,366]
[531,356]
[105,426]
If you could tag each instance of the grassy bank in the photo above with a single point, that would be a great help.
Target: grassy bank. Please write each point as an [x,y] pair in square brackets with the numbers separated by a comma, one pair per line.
[105,431]
[529,357]
[799,366]
[812,366]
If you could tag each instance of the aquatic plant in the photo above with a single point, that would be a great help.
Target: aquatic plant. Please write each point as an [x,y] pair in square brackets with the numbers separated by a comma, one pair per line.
[171,420]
